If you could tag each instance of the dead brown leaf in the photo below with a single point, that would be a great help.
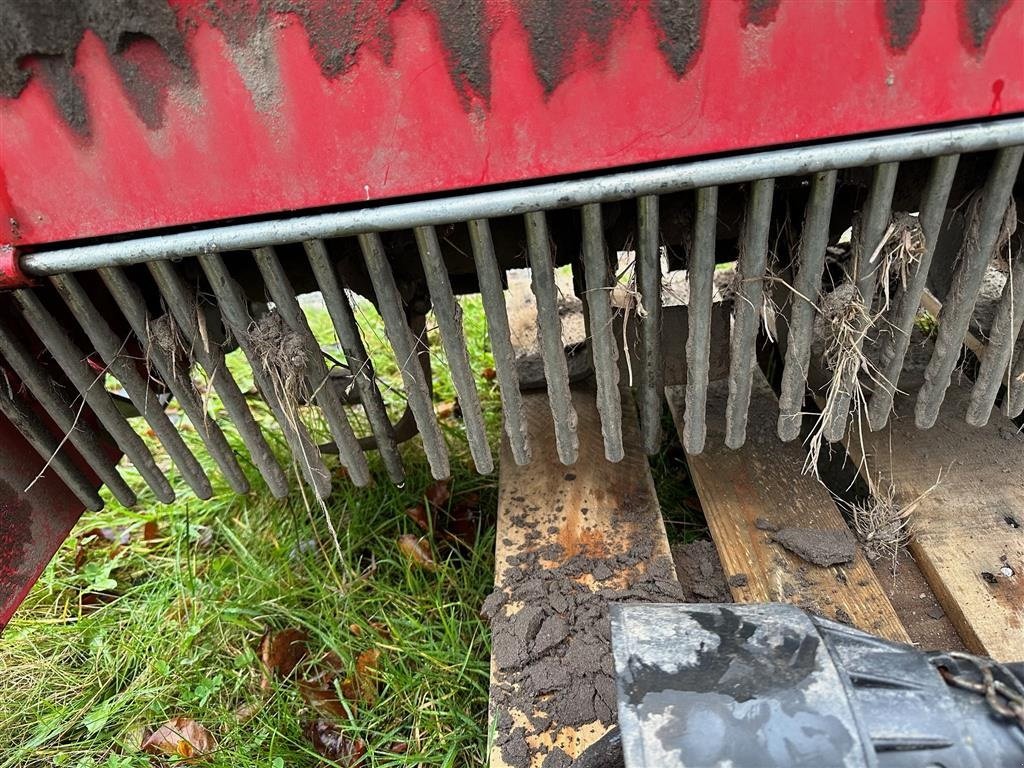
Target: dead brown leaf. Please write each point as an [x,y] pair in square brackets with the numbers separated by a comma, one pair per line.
[361,686]
[330,742]
[181,737]
[489,374]
[417,551]
[281,652]
[150,531]
[418,514]
[323,697]
[439,493]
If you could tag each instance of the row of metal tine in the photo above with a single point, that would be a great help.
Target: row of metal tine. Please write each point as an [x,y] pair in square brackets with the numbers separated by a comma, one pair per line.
[999,364]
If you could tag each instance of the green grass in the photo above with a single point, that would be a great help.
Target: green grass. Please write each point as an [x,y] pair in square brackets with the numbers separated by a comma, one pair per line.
[78,684]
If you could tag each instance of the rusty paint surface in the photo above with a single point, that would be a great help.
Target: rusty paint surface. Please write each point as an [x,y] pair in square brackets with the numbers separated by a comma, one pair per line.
[157,113]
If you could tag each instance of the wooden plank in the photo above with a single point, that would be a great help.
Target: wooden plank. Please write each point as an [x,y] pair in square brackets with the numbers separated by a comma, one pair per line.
[551,520]
[969,530]
[764,479]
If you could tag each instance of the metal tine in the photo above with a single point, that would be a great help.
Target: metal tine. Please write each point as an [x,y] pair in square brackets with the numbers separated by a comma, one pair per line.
[233,309]
[747,309]
[1014,404]
[549,328]
[128,298]
[701,278]
[933,208]
[210,356]
[109,347]
[359,363]
[602,335]
[283,295]
[449,322]
[811,258]
[71,360]
[493,297]
[958,305]
[40,384]
[406,348]
[48,449]
[1006,326]
[876,220]
[648,268]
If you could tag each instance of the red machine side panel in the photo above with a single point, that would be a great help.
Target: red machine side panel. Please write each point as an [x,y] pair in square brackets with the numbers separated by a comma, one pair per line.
[217,115]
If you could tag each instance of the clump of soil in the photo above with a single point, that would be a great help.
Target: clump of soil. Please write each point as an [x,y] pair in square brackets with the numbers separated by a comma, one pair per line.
[818,547]
[552,636]
[281,352]
[700,572]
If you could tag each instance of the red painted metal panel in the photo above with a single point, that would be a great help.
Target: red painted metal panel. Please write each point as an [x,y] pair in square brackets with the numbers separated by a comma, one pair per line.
[252,119]
[33,523]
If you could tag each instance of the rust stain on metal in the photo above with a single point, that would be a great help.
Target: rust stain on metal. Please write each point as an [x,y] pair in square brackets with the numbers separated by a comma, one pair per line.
[902,22]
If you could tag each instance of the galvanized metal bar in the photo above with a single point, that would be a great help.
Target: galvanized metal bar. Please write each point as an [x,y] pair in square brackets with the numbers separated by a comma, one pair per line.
[794,161]
[747,309]
[359,363]
[449,321]
[605,350]
[549,331]
[700,273]
[958,305]
[493,297]
[1014,404]
[110,349]
[933,209]
[648,269]
[129,299]
[46,445]
[1002,338]
[806,287]
[283,295]
[406,348]
[71,360]
[233,309]
[875,219]
[41,386]
[210,356]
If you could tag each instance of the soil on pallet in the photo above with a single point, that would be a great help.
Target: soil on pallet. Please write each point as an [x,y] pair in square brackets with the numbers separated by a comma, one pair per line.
[700,572]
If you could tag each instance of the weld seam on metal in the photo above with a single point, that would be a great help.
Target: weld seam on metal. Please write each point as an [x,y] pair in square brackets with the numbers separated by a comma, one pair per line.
[46,445]
[82,436]
[493,297]
[129,300]
[359,363]
[803,305]
[71,359]
[110,350]
[958,305]
[210,356]
[796,161]
[933,210]
[747,309]
[317,376]
[448,315]
[406,349]
[549,329]
[1002,338]
[701,278]
[233,309]
[648,268]
[602,335]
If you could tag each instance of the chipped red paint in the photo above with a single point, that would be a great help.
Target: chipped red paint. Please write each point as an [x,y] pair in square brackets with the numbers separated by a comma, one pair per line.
[33,523]
[258,128]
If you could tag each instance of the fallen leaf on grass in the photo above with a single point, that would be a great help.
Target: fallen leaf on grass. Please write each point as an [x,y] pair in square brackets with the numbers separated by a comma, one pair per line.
[439,493]
[361,686]
[182,737]
[418,514]
[463,519]
[489,374]
[330,742]
[415,550]
[281,652]
[319,690]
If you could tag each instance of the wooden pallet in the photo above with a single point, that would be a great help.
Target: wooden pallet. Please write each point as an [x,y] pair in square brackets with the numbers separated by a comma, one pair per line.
[764,481]
[969,529]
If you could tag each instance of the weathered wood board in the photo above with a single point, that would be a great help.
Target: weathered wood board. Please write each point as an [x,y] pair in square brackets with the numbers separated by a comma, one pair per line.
[969,529]
[764,479]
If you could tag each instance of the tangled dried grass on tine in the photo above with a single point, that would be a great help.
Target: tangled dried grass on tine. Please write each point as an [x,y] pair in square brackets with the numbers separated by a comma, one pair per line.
[897,255]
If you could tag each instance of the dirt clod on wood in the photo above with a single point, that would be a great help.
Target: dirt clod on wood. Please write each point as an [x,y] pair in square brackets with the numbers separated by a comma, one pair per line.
[552,638]
[818,547]
[764,524]
[738,580]
[700,572]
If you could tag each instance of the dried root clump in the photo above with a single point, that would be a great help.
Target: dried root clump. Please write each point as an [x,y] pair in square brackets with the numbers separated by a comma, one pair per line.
[882,525]
[898,255]
[281,353]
